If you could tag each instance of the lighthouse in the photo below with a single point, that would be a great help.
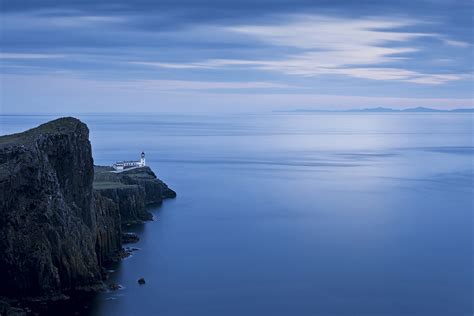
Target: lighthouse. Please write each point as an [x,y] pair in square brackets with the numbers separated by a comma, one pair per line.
[122,165]
[142,159]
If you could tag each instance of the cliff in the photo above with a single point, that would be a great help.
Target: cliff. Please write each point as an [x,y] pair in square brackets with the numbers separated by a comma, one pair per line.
[133,190]
[56,230]
[47,224]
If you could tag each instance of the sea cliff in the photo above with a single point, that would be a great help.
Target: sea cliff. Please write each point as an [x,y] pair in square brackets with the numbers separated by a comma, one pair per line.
[60,220]
[132,190]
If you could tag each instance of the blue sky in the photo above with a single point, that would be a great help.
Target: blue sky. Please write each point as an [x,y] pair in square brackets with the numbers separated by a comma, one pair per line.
[195,55]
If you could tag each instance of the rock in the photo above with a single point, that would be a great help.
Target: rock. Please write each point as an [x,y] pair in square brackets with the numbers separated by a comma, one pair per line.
[47,222]
[132,190]
[108,229]
[130,238]
[141,281]
[16,311]
[56,231]
[125,253]
[114,287]
[6,309]
[130,200]
[155,189]
[120,254]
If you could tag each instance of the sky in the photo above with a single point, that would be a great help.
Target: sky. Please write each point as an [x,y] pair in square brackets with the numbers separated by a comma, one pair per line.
[245,55]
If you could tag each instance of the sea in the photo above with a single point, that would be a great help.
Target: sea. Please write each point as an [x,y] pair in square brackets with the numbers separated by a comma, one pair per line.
[290,213]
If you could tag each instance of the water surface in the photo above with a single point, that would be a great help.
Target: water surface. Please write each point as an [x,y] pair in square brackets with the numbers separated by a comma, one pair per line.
[295,214]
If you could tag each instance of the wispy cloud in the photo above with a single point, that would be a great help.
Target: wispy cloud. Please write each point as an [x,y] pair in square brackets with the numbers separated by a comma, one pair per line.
[179,85]
[435,79]
[456,43]
[84,94]
[29,56]
[330,33]
[359,48]
[44,19]
[170,65]
[82,21]
[206,64]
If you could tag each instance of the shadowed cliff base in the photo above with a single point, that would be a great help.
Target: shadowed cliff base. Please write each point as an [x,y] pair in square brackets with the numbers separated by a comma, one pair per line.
[60,225]
[133,190]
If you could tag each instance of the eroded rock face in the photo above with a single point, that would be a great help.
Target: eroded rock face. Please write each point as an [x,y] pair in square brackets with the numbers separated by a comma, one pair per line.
[131,202]
[57,228]
[155,189]
[108,228]
[47,223]
[132,190]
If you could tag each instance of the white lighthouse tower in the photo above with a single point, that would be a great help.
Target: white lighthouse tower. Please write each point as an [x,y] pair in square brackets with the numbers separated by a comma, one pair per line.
[142,159]
[122,165]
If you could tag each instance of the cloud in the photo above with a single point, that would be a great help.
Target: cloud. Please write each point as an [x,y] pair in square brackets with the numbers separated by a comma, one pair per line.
[47,19]
[170,85]
[83,21]
[358,48]
[207,64]
[169,65]
[330,33]
[399,75]
[435,79]
[29,56]
[456,43]
[369,48]
[61,93]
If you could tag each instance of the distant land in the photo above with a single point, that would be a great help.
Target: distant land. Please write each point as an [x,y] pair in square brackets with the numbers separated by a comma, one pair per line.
[387,110]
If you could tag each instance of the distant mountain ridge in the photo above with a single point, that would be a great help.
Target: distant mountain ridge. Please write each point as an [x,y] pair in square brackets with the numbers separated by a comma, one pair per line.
[389,110]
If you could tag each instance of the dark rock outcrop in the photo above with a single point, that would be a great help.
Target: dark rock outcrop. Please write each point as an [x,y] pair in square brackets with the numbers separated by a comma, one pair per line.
[155,189]
[47,226]
[108,228]
[132,190]
[56,231]
[130,200]
[130,238]
[8,310]
[114,287]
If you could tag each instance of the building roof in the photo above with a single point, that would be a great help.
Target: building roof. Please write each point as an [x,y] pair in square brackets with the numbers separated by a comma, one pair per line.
[127,161]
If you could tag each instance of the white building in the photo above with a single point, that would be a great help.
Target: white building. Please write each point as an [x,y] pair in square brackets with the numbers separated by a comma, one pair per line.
[121,165]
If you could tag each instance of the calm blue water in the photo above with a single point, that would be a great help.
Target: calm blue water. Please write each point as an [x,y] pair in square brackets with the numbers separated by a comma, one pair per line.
[296,214]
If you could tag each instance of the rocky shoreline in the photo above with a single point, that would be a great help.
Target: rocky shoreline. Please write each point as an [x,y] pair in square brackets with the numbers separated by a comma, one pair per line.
[61,216]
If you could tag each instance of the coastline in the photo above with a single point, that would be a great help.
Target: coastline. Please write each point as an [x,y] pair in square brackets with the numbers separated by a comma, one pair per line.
[62,216]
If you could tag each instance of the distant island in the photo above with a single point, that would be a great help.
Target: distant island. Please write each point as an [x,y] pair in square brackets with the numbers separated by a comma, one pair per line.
[385,110]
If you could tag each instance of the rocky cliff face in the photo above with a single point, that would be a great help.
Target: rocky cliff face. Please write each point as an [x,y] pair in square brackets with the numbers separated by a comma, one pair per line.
[155,189]
[108,228]
[130,200]
[47,235]
[132,190]
[55,230]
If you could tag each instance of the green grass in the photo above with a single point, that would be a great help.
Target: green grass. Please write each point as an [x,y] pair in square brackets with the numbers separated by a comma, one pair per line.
[111,185]
[60,125]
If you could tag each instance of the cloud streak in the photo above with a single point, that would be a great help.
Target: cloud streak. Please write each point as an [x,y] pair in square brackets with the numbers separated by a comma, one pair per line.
[29,56]
[243,53]
[82,94]
[456,43]
[358,48]
[179,85]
